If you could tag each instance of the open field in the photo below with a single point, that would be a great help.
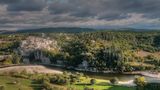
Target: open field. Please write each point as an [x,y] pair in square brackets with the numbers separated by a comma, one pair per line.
[100,85]
[26,84]
[22,84]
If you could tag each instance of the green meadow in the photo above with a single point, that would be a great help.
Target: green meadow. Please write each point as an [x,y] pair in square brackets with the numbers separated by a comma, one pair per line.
[13,83]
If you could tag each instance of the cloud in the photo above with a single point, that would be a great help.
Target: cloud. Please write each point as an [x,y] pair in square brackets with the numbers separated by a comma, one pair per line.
[106,9]
[8,1]
[17,14]
[24,5]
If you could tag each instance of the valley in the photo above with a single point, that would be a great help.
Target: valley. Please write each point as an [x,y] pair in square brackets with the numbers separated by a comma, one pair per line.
[100,56]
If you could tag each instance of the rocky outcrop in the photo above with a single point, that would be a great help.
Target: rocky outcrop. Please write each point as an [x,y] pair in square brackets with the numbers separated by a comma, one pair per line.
[33,43]
[36,45]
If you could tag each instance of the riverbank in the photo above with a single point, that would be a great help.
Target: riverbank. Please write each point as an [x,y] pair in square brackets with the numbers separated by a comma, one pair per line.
[145,73]
[151,74]
[49,68]
[125,79]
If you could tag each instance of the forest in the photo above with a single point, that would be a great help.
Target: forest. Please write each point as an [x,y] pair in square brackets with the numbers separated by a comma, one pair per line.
[120,51]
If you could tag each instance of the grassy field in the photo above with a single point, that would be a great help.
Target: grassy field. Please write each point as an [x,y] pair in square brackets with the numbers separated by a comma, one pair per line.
[24,84]
[100,85]
[106,87]
[21,84]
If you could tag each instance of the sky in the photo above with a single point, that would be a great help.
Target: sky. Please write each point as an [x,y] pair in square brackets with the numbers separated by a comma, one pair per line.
[22,14]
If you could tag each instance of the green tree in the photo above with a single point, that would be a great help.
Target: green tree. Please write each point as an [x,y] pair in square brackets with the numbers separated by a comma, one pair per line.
[140,82]
[114,80]
[93,81]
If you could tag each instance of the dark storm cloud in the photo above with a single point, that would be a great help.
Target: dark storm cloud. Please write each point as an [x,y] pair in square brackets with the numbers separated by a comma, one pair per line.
[8,1]
[24,5]
[106,9]
[101,9]
[96,13]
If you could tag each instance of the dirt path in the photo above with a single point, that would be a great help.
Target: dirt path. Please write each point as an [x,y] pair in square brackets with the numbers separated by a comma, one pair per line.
[30,69]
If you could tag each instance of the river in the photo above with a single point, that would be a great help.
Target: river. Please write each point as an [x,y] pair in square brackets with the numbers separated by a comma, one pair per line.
[108,76]
[50,69]
[121,77]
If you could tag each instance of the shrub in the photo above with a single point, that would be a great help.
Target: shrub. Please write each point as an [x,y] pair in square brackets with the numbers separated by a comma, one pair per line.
[47,85]
[140,81]
[114,81]
[93,81]
[40,78]
[8,61]
[73,80]
[60,79]
[2,87]
[65,79]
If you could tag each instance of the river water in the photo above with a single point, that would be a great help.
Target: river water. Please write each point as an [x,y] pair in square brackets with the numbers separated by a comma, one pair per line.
[108,76]
[121,77]
[124,79]
[104,76]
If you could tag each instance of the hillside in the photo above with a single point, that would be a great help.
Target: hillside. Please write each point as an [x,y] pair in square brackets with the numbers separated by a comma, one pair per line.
[51,30]
[73,30]
[119,51]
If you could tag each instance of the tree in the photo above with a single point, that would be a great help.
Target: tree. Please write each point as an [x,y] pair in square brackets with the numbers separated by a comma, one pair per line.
[114,80]
[75,50]
[16,58]
[8,61]
[140,82]
[93,81]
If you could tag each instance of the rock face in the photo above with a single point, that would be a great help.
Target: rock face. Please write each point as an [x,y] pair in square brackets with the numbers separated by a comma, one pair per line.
[36,45]
[43,59]
[33,43]
[26,61]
